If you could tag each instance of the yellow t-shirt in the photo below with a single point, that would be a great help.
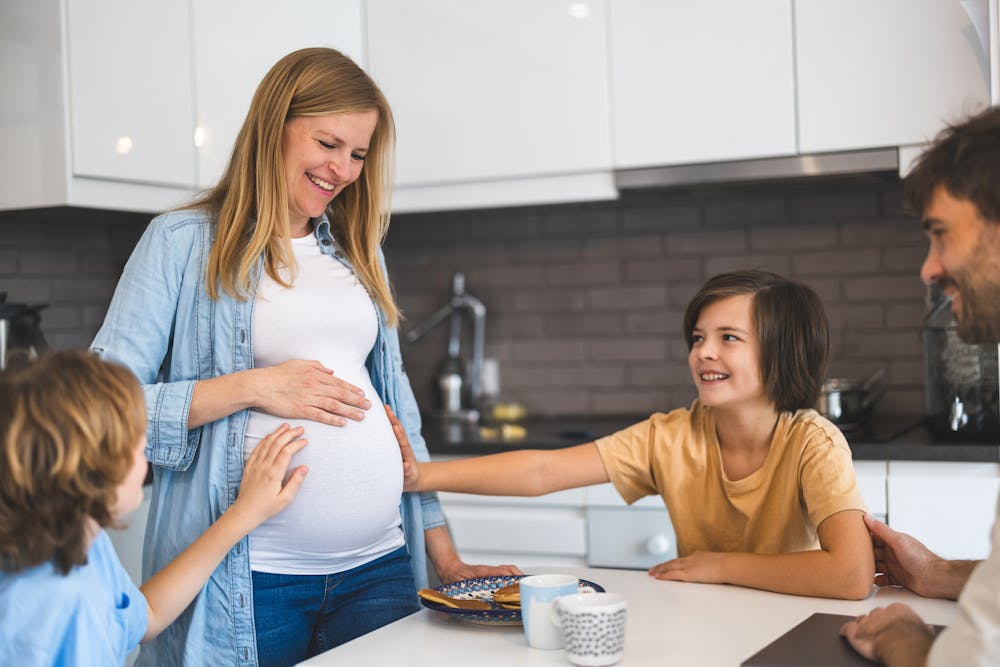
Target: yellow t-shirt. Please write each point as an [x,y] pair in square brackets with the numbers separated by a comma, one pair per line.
[806,477]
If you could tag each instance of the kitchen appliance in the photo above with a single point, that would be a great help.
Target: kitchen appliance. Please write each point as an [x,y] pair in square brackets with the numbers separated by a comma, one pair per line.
[960,379]
[21,336]
[458,385]
[848,402]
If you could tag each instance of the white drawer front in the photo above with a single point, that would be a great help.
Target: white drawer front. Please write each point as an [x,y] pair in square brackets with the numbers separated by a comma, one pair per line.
[633,537]
[514,530]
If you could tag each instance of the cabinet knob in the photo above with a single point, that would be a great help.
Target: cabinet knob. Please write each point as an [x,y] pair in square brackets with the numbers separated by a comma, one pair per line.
[659,545]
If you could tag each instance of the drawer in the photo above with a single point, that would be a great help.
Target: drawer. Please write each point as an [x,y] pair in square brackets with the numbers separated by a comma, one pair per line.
[633,537]
[517,530]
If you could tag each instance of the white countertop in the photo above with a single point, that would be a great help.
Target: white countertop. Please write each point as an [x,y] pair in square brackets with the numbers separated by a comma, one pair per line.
[669,623]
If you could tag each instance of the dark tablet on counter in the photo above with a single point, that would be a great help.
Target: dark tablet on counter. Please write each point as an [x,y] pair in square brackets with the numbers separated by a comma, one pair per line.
[815,641]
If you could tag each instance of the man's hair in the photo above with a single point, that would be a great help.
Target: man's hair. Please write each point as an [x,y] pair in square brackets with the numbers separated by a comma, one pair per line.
[69,426]
[791,328]
[965,159]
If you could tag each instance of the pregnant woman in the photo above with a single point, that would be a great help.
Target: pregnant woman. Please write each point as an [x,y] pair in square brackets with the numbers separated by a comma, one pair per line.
[265,302]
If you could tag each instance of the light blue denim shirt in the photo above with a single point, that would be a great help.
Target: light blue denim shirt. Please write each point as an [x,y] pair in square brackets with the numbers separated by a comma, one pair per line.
[165,328]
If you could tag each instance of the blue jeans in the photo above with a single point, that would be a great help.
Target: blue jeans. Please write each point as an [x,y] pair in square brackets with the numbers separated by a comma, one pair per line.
[299,616]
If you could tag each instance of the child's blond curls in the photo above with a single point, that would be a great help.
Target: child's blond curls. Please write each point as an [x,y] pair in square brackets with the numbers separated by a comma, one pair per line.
[69,424]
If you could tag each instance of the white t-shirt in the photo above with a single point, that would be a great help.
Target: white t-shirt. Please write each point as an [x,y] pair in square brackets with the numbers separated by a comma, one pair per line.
[974,638]
[347,512]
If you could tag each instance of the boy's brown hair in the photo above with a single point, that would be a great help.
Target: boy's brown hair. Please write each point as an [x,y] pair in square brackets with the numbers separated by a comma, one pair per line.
[69,425]
[791,326]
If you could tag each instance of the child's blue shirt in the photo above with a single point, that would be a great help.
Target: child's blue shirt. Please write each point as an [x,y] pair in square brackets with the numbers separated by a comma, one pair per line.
[95,615]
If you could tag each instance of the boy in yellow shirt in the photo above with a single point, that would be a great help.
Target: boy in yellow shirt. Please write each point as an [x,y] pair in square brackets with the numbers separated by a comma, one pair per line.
[760,488]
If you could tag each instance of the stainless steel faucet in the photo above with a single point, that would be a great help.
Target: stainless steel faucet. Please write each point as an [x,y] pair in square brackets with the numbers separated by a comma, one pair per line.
[459,304]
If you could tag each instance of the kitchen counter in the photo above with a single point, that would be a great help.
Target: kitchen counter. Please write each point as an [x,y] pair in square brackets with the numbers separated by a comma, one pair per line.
[889,441]
[668,623]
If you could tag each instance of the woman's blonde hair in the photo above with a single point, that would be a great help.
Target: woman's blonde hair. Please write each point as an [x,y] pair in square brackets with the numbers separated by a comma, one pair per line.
[69,426]
[250,202]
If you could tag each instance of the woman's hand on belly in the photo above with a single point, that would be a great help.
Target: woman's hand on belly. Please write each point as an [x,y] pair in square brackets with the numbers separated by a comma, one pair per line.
[301,389]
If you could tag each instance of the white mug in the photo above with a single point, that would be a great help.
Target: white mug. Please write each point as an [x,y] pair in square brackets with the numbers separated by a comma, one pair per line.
[593,627]
[537,593]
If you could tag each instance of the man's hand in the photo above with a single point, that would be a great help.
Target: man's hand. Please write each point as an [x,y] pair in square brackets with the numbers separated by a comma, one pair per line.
[893,635]
[901,560]
[411,467]
[705,567]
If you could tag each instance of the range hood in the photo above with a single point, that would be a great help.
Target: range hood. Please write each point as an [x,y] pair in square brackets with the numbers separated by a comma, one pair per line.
[795,166]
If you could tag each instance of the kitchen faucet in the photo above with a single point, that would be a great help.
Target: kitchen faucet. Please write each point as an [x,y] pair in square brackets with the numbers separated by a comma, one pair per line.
[450,378]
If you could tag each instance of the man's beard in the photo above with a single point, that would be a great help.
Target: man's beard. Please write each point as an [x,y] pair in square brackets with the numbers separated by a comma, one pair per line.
[980,317]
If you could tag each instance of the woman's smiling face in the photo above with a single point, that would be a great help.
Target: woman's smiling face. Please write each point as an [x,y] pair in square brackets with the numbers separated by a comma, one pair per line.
[725,354]
[322,155]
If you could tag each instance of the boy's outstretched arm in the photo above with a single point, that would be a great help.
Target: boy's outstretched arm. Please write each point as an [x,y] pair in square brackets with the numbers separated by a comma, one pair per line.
[262,495]
[524,472]
[843,566]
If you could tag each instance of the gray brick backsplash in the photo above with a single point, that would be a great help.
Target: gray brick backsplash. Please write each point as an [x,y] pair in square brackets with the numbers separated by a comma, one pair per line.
[861,261]
[706,242]
[598,272]
[595,221]
[8,262]
[628,298]
[591,325]
[49,262]
[720,264]
[636,349]
[593,376]
[659,321]
[652,218]
[889,232]
[745,211]
[840,204]
[674,374]
[630,246]
[793,237]
[585,301]
[894,287]
[662,270]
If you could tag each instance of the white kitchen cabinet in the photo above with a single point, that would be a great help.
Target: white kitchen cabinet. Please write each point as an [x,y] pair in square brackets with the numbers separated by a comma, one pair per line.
[885,73]
[130,84]
[872,482]
[548,530]
[950,507]
[492,99]
[237,41]
[80,133]
[699,82]
[135,106]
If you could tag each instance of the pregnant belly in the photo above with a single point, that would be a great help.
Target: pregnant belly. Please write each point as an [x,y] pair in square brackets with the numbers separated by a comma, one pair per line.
[348,506]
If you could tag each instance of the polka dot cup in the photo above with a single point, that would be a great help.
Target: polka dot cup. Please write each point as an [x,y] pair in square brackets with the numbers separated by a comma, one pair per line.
[593,627]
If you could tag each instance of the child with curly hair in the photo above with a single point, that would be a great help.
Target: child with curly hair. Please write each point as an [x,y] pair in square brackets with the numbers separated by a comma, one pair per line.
[72,435]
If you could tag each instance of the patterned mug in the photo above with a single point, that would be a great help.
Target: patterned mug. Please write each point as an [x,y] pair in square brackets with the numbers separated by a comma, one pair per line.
[593,627]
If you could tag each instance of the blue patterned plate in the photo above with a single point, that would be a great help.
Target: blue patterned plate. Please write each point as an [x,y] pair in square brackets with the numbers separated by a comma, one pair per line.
[481,588]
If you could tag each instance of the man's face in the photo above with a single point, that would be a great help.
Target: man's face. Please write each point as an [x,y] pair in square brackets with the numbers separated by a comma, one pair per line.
[964,258]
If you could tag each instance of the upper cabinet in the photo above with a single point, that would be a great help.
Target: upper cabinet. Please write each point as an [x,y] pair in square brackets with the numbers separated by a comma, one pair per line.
[132,117]
[701,82]
[488,96]
[117,104]
[235,44]
[884,73]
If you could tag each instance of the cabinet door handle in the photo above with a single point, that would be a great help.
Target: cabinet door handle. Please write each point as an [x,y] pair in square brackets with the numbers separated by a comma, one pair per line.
[659,545]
